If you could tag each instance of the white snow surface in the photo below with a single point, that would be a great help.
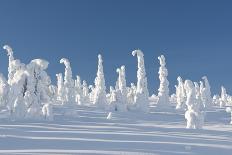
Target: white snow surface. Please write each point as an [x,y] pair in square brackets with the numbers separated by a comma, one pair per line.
[125,133]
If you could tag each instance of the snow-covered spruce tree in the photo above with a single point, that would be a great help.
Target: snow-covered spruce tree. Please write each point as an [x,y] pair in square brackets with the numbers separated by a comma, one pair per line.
[197,89]
[78,91]
[141,101]
[99,98]
[194,117]
[163,94]
[131,94]
[69,88]
[206,93]
[180,94]
[119,95]
[4,90]
[29,87]
[16,79]
[85,91]
[216,100]
[223,98]
[37,88]
[60,88]
[11,66]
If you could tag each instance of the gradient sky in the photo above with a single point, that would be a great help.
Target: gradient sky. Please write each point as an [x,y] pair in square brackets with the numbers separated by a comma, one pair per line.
[195,37]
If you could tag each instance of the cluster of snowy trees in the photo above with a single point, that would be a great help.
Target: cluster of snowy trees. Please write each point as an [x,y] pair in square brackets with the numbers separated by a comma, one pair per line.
[29,94]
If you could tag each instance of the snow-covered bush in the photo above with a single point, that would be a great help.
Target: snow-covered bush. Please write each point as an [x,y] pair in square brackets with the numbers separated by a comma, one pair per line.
[47,111]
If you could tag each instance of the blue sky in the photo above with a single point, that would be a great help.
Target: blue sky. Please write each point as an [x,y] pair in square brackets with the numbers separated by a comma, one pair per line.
[195,36]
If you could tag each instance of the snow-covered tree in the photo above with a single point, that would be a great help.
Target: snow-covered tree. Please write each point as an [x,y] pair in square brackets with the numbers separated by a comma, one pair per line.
[194,117]
[122,89]
[180,94]
[60,88]
[100,88]
[29,87]
[85,91]
[69,89]
[4,90]
[11,67]
[131,94]
[164,84]
[141,101]
[229,110]
[223,98]
[206,93]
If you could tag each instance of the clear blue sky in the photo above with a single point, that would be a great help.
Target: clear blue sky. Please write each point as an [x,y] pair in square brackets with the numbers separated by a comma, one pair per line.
[195,36]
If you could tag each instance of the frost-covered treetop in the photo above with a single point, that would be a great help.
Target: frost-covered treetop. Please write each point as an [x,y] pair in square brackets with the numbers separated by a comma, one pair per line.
[8,49]
[162,60]
[138,52]
[42,64]
[65,62]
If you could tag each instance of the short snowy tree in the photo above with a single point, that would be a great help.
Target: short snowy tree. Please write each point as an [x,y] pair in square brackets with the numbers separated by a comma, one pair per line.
[47,111]
[180,94]
[194,117]
[223,98]
[4,90]
[229,110]
[20,108]
[206,93]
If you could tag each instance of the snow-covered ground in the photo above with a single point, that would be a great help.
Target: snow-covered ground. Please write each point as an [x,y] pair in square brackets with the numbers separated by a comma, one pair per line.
[158,132]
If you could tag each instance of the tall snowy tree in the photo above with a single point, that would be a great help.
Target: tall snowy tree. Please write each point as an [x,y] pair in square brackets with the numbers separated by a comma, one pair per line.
[69,88]
[100,88]
[163,95]
[141,98]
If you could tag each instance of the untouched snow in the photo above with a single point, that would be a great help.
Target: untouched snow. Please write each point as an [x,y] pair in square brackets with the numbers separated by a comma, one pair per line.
[125,133]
